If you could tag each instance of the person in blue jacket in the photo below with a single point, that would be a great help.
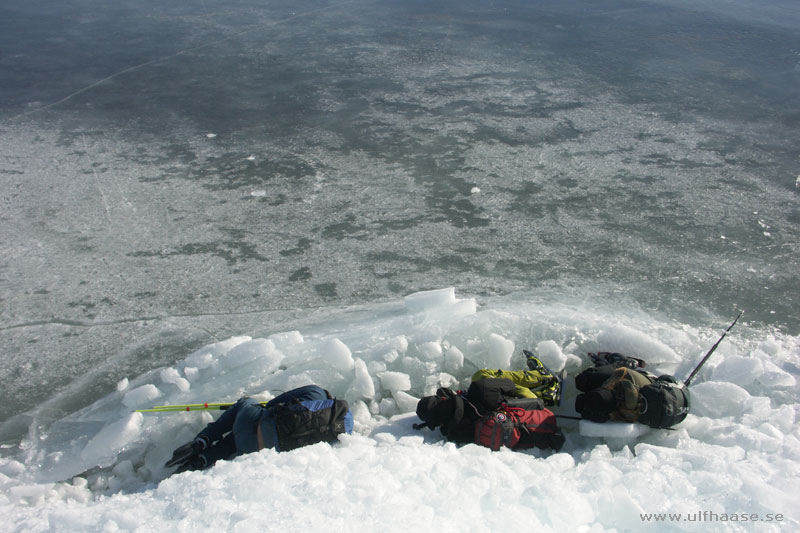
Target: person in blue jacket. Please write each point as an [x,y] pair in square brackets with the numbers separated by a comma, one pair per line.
[248,426]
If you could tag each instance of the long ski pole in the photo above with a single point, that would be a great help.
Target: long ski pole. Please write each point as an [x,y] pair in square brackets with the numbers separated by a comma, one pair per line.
[688,380]
[188,407]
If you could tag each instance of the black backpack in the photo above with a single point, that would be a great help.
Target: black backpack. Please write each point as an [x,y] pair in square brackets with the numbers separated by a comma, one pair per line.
[303,422]
[666,402]
[486,394]
[448,410]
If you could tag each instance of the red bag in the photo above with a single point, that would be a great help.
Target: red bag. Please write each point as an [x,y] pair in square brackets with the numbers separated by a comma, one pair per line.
[518,428]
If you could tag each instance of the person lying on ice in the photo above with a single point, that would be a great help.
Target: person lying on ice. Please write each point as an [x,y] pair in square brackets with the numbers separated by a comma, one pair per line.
[536,382]
[611,388]
[618,389]
[299,417]
[500,408]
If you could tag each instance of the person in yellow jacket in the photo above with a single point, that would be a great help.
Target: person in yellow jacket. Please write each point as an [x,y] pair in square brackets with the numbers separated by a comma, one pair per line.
[536,382]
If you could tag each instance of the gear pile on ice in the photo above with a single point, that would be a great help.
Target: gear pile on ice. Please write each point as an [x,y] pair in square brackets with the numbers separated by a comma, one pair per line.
[618,389]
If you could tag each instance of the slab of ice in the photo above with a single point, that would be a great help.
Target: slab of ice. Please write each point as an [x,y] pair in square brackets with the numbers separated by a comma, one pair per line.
[171,375]
[219,348]
[717,399]
[453,359]
[420,301]
[286,339]
[495,351]
[362,386]
[431,351]
[338,355]
[742,371]
[629,341]
[404,401]
[616,430]
[103,447]
[263,350]
[776,378]
[395,381]
[500,351]
[436,381]
[141,396]
[551,355]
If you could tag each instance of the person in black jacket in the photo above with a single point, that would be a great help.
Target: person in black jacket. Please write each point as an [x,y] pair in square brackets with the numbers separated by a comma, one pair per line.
[245,427]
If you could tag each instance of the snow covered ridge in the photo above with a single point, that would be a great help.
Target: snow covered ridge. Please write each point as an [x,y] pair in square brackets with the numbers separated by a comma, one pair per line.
[737,453]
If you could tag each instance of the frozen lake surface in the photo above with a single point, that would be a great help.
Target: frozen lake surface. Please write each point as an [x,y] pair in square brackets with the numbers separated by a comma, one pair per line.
[176,175]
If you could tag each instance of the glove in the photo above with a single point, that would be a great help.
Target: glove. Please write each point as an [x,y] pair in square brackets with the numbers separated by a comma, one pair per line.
[667,378]
[195,462]
[184,454]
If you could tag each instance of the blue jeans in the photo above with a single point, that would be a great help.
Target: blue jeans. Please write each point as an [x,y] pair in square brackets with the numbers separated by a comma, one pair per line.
[234,432]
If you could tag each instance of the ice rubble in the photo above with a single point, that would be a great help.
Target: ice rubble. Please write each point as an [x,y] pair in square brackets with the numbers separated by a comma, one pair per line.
[738,452]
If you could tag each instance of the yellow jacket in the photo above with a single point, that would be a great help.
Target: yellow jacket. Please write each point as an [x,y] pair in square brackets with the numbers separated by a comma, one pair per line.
[525,380]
